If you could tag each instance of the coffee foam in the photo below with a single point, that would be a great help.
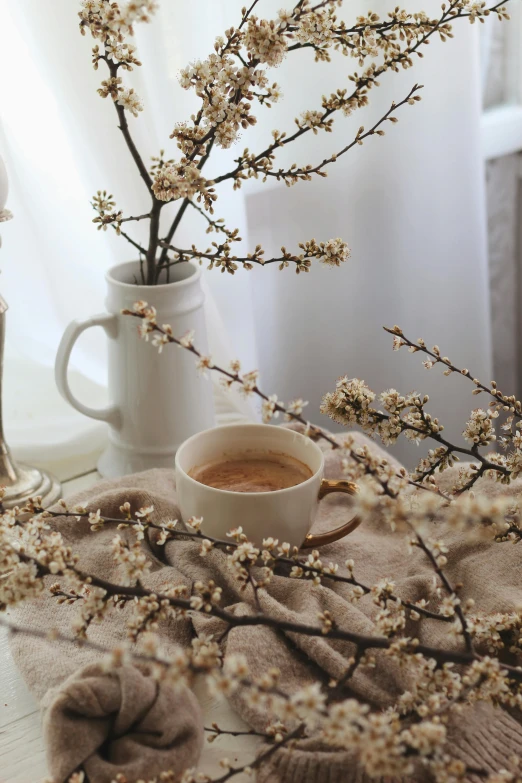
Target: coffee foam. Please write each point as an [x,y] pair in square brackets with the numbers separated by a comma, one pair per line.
[252,472]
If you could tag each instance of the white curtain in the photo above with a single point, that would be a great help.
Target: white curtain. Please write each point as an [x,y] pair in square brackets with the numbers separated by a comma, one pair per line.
[411,206]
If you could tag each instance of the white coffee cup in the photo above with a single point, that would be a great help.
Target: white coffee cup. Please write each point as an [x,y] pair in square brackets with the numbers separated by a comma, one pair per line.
[285,514]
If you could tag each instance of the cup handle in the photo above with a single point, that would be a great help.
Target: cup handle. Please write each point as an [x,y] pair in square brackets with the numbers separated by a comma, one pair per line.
[327,487]
[109,323]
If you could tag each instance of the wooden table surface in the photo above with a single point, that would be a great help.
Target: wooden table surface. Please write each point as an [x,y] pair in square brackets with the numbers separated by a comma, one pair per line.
[22,751]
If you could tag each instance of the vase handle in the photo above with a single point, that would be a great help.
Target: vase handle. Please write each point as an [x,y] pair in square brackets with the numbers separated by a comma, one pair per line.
[109,323]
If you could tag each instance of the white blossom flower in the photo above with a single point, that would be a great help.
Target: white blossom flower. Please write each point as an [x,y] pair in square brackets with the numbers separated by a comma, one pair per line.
[204,363]
[309,701]
[335,252]
[296,406]
[130,101]
[268,408]
[187,341]
[194,523]
[265,41]
[249,381]
[159,340]
[206,547]
[178,180]
[480,428]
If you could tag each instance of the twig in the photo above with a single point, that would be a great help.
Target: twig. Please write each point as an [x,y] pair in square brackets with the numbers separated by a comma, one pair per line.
[293,174]
[132,242]
[495,393]
[361,641]
[449,588]
[227,546]
[218,731]
[295,734]
[392,63]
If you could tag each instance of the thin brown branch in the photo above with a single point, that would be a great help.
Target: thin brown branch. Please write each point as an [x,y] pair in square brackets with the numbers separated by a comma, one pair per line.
[493,392]
[449,13]
[181,211]
[233,771]
[218,732]
[293,174]
[312,429]
[229,545]
[361,641]
[132,241]
[124,127]
[449,589]
[137,217]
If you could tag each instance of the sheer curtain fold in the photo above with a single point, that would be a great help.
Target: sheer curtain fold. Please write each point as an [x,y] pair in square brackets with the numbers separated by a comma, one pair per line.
[411,206]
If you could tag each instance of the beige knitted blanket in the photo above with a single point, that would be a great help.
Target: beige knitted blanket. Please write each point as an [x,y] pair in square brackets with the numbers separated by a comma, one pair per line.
[123,721]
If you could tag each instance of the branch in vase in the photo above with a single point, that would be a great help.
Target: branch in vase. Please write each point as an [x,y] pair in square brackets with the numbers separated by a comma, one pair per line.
[216,225]
[135,244]
[295,174]
[332,253]
[339,100]
[124,127]
[181,211]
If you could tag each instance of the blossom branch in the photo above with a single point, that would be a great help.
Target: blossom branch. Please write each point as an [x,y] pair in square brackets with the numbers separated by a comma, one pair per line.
[362,642]
[299,568]
[437,561]
[271,406]
[351,404]
[358,99]
[332,253]
[231,78]
[133,242]
[294,173]
[124,128]
[500,401]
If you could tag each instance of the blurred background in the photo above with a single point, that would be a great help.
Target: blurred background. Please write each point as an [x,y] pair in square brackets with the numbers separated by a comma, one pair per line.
[430,211]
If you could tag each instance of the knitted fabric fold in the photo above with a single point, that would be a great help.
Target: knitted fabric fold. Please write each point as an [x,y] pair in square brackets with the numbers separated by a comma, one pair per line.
[117,731]
[122,721]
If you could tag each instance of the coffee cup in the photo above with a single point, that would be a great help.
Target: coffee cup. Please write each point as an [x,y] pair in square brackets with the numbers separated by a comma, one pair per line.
[284,514]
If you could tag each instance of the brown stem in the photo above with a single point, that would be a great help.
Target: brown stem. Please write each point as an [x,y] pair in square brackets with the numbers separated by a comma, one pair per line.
[361,641]
[449,589]
[124,127]
[137,217]
[437,359]
[305,173]
[312,428]
[132,242]
[150,254]
[229,545]
[152,270]
[362,85]
[295,734]
[181,211]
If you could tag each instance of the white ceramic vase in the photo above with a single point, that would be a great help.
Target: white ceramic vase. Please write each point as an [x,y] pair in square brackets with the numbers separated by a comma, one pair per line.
[156,401]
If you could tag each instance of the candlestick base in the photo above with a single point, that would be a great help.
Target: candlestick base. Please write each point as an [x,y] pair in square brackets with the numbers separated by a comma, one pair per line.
[29,482]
